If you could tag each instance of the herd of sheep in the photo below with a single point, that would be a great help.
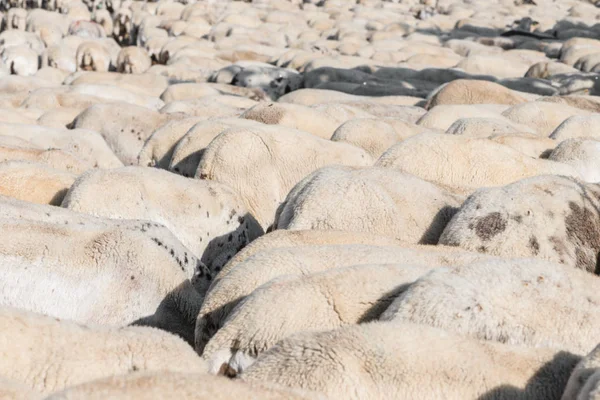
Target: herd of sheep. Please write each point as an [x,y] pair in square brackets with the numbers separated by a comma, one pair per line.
[300,200]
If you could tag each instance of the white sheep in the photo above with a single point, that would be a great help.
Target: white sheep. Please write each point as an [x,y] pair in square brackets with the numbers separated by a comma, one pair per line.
[320,301]
[443,116]
[87,145]
[529,302]
[45,354]
[375,135]
[53,158]
[16,18]
[208,217]
[543,117]
[133,60]
[278,159]
[450,161]
[464,91]
[244,277]
[92,56]
[294,116]
[180,385]
[381,201]
[125,127]
[11,390]
[390,360]
[189,150]
[115,94]
[582,154]
[34,182]
[147,87]
[123,30]
[486,127]
[527,143]
[20,60]
[551,217]
[60,277]
[160,146]
[285,238]
[575,127]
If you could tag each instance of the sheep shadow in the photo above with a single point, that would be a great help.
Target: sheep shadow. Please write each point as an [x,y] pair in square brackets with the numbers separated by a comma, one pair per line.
[174,315]
[438,224]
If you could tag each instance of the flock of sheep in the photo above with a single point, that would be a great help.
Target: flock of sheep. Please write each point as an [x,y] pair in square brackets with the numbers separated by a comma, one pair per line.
[284,199]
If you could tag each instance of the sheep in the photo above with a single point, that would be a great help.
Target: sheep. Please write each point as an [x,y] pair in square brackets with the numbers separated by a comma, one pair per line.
[16,18]
[34,182]
[146,85]
[221,106]
[190,149]
[583,375]
[104,18]
[181,385]
[293,116]
[406,112]
[345,112]
[545,69]
[375,135]
[10,390]
[45,354]
[87,145]
[124,127]
[20,60]
[160,146]
[285,238]
[12,38]
[74,288]
[116,94]
[462,91]
[577,127]
[242,279]
[54,158]
[309,97]
[527,143]
[321,301]
[550,305]
[274,81]
[92,56]
[123,30]
[58,118]
[588,103]
[494,65]
[187,91]
[207,217]
[486,127]
[39,18]
[449,160]
[133,60]
[51,74]
[60,57]
[390,360]
[86,29]
[374,200]
[443,116]
[543,117]
[177,311]
[551,217]
[46,99]
[270,151]
[583,154]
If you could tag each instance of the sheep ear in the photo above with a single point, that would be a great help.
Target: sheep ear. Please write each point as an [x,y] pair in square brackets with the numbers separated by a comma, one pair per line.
[227,371]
